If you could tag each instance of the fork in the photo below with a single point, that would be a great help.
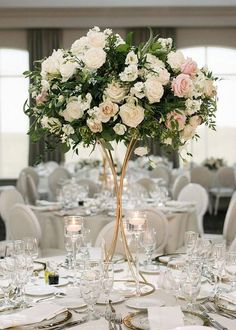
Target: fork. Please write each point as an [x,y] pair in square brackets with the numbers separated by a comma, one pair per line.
[213,322]
[216,310]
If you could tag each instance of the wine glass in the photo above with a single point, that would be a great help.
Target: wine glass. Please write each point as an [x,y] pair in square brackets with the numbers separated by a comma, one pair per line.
[148,242]
[218,255]
[190,239]
[230,268]
[191,284]
[107,279]
[90,287]
[31,247]
[7,273]
[175,268]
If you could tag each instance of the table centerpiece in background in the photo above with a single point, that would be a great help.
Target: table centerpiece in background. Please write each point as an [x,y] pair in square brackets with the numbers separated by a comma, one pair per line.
[104,89]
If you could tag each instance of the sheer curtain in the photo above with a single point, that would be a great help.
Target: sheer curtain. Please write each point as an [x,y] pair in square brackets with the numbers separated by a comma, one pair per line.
[141,35]
[41,43]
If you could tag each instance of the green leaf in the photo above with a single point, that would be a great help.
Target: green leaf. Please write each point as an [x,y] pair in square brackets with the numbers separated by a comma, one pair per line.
[107,145]
[122,48]
[65,148]
[129,39]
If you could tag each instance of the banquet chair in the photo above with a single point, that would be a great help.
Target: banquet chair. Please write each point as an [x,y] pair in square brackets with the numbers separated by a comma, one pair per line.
[162,172]
[202,176]
[22,222]
[195,193]
[8,199]
[180,182]
[21,182]
[93,188]
[55,181]
[232,247]
[147,183]
[32,194]
[226,185]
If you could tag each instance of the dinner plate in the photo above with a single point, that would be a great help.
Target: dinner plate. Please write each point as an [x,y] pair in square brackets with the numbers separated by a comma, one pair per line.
[114,297]
[144,302]
[226,302]
[38,266]
[154,270]
[127,288]
[139,321]
[62,282]
[40,290]
[71,302]
[166,258]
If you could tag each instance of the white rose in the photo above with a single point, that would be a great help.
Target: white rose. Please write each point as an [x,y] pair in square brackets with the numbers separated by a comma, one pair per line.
[132,115]
[94,112]
[68,129]
[120,129]
[188,132]
[107,109]
[208,88]
[94,125]
[51,66]
[115,92]
[131,58]
[84,103]
[67,70]
[73,110]
[153,61]
[141,151]
[175,59]
[96,39]
[153,90]
[130,73]
[192,106]
[80,46]
[166,43]
[119,40]
[195,121]
[138,90]
[162,75]
[94,58]
[44,122]
[45,85]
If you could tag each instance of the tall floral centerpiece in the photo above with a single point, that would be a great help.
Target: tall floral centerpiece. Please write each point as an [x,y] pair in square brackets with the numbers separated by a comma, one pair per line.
[105,89]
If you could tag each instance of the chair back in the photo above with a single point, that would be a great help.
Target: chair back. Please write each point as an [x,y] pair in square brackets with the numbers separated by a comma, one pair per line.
[27,171]
[55,180]
[195,193]
[147,183]
[93,188]
[22,222]
[162,172]
[106,234]
[8,198]
[32,194]
[202,176]
[229,229]
[180,182]
[226,177]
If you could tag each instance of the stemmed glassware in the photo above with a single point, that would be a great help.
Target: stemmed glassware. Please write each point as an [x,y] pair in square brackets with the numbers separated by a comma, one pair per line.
[135,225]
[191,284]
[107,279]
[190,239]
[218,255]
[230,268]
[31,247]
[175,269]
[72,229]
[90,287]
[7,273]
[148,242]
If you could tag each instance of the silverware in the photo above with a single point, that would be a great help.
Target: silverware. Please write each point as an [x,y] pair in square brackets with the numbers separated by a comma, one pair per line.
[217,310]
[70,324]
[213,322]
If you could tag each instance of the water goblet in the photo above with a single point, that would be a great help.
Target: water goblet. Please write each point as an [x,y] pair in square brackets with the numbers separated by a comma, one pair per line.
[90,287]
[218,259]
[230,268]
[31,247]
[175,269]
[107,279]
[190,239]
[148,242]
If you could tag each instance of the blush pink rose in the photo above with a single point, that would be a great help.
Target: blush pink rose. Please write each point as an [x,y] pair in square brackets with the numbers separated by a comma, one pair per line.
[41,98]
[181,85]
[174,116]
[189,67]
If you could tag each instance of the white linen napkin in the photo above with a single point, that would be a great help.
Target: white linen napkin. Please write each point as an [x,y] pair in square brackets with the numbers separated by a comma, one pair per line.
[230,297]
[165,318]
[38,313]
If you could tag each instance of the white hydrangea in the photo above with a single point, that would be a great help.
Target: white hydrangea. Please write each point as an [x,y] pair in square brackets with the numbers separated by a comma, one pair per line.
[84,103]
[130,73]
[192,106]
[131,58]
[138,90]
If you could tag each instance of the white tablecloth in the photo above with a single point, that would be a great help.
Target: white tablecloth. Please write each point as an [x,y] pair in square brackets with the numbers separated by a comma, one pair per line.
[52,225]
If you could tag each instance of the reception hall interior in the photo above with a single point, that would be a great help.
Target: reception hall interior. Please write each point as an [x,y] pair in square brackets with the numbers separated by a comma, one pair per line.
[118,164]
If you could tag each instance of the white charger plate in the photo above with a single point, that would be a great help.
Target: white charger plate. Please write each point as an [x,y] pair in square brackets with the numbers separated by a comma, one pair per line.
[143,269]
[71,302]
[40,290]
[114,297]
[144,302]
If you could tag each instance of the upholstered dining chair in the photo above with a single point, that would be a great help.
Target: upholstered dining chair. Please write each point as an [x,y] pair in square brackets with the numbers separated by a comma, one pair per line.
[162,172]
[225,185]
[8,198]
[195,193]
[21,182]
[93,188]
[147,183]
[180,182]
[22,222]
[55,180]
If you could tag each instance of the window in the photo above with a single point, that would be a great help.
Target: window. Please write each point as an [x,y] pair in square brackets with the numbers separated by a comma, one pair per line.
[13,121]
[221,144]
